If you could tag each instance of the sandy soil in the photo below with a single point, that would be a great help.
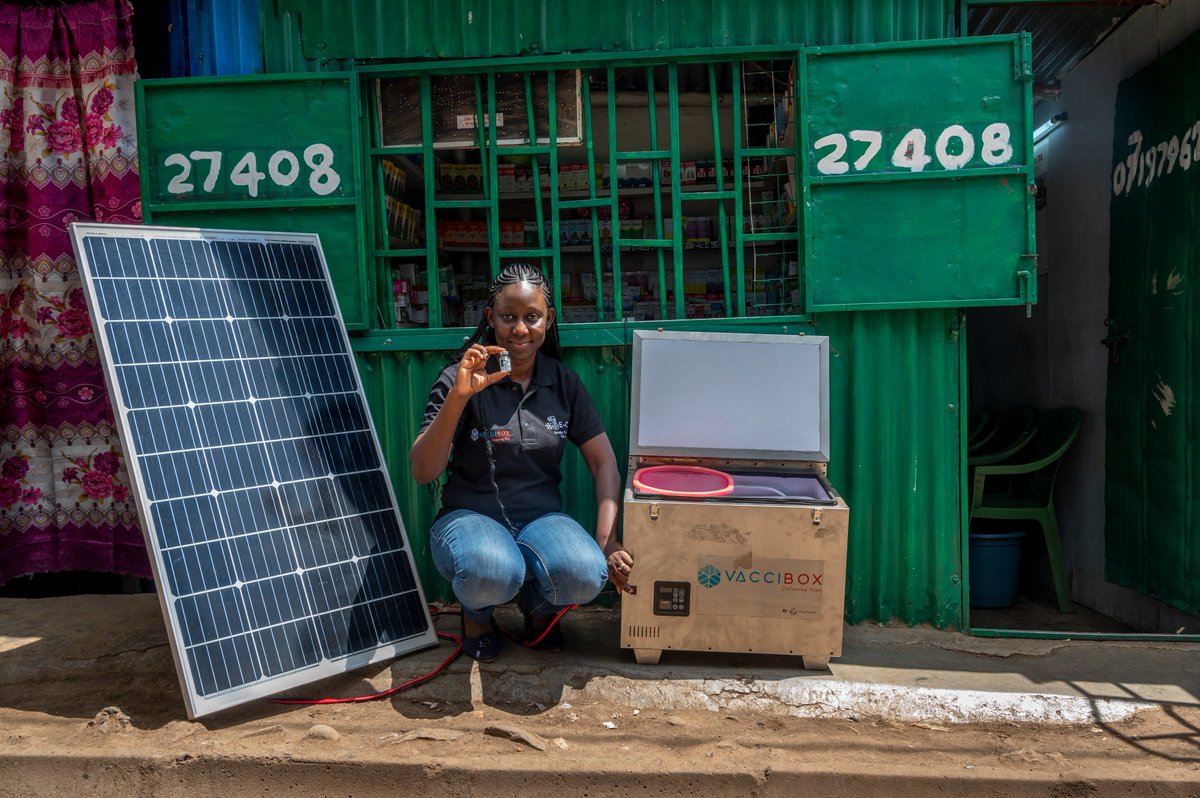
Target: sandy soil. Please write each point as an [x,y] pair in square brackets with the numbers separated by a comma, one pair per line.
[562,749]
[93,708]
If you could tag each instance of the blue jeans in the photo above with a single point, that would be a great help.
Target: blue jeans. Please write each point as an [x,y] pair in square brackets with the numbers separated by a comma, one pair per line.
[552,562]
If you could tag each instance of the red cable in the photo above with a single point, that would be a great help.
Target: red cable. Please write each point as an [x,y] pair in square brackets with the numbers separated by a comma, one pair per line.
[433,612]
[361,698]
[546,631]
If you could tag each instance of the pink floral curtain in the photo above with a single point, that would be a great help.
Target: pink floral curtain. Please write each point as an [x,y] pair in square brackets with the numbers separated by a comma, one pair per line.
[67,136]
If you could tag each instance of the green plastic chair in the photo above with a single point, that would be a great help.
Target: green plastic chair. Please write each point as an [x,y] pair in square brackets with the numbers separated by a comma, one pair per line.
[981,426]
[1027,490]
[1012,431]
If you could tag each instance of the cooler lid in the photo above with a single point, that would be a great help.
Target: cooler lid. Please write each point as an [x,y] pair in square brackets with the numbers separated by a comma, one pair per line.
[730,395]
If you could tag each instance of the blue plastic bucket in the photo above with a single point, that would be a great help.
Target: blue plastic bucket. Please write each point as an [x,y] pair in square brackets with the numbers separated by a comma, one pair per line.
[995,563]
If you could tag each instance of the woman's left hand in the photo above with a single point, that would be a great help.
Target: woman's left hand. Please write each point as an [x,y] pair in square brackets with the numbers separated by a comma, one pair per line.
[620,564]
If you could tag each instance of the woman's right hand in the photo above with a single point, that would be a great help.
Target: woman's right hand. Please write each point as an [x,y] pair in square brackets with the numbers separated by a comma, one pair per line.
[472,376]
[620,564]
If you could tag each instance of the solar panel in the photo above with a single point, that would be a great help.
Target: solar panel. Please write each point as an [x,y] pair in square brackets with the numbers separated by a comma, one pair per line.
[277,545]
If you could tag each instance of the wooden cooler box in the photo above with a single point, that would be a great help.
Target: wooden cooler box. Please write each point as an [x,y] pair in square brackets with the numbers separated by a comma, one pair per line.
[761,568]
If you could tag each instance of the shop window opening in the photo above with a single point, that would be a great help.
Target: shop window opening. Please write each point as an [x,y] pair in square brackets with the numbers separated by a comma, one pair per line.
[646,191]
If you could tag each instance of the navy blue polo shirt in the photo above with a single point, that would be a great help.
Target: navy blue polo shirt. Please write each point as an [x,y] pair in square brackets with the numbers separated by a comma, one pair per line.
[528,430]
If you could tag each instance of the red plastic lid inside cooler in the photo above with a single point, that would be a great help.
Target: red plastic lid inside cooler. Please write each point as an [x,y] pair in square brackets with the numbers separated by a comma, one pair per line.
[681,480]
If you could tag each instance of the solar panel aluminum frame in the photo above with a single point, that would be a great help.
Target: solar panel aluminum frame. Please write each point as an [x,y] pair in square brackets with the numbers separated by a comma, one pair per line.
[198,705]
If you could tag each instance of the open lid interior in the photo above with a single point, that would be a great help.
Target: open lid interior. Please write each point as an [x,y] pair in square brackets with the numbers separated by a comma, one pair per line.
[730,395]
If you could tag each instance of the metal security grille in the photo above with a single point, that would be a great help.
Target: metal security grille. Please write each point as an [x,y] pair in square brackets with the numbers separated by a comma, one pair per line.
[651,189]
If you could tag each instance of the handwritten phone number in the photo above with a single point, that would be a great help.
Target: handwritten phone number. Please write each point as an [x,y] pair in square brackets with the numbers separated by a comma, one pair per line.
[283,169]
[1141,168]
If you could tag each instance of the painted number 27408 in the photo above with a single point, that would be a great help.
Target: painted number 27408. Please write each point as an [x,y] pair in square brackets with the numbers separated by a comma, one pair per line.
[283,169]
[954,148]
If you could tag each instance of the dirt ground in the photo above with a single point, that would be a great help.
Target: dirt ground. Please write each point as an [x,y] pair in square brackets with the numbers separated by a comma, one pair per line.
[90,705]
[57,737]
[676,752]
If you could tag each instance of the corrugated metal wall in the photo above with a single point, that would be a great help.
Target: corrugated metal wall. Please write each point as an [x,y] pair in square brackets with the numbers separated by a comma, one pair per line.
[896,376]
[224,37]
[190,38]
[894,403]
[302,35]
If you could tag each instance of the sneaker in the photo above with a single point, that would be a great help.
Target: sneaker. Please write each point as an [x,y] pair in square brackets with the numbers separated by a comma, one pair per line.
[552,641]
[484,647]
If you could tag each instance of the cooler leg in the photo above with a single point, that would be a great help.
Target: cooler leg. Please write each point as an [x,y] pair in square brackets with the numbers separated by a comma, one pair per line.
[647,656]
[814,663]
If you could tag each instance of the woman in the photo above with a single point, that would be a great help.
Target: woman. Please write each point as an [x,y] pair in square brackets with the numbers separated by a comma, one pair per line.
[501,532]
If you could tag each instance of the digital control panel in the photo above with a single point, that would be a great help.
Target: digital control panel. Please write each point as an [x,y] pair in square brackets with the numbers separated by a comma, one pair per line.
[672,598]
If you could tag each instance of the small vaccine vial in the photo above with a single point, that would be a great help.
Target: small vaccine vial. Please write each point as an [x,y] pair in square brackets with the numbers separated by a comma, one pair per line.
[505,361]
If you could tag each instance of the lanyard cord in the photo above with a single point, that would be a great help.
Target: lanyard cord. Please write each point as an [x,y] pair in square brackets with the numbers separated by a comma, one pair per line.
[491,458]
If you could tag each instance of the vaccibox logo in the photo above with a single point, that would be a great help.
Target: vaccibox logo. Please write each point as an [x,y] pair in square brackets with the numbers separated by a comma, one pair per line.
[806,580]
[709,576]
[755,586]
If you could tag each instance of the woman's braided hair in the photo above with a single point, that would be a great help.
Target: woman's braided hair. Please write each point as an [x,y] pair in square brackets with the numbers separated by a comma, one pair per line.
[512,274]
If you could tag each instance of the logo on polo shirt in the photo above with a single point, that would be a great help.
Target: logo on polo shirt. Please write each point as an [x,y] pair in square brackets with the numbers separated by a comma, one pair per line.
[497,435]
[559,428]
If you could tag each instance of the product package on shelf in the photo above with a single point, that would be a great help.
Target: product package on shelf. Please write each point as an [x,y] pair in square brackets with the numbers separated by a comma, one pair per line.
[404,222]
[460,177]
[395,179]
[506,177]
[409,295]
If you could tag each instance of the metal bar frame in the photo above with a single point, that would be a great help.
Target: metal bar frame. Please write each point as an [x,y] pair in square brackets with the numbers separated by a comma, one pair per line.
[485,131]
[427,160]
[659,255]
[739,154]
[720,194]
[592,203]
[614,204]
[552,133]
[678,234]
[549,253]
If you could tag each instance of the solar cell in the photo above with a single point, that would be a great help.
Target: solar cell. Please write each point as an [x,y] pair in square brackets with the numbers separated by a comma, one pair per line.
[278,549]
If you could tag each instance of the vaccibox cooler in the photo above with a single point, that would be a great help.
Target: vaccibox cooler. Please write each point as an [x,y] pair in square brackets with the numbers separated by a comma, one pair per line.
[757,567]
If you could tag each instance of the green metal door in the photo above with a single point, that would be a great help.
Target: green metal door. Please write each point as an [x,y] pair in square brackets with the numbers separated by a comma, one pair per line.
[277,153]
[1152,495]
[918,174]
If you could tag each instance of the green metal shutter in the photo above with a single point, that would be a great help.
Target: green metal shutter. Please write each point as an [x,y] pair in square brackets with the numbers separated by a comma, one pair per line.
[1152,477]
[918,174]
[279,153]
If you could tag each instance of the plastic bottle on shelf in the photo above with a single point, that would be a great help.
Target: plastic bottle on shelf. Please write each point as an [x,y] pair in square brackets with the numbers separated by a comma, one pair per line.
[400,300]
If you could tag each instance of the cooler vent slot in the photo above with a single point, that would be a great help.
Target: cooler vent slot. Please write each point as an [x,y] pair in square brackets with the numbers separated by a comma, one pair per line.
[643,631]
